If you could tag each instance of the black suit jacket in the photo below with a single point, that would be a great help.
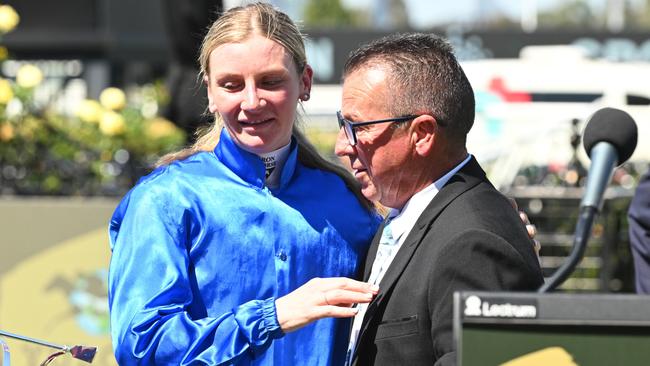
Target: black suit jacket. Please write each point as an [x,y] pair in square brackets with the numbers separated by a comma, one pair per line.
[639,220]
[468,238]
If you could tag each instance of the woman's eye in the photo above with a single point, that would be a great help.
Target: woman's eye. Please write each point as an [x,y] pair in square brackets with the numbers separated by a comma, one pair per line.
[272,82]
[230,85]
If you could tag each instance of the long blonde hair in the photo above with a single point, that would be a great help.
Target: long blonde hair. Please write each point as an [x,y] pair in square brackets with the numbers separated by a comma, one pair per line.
[236,25]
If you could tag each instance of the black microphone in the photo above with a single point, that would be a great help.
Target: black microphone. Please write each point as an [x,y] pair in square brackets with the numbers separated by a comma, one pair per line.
[609,139]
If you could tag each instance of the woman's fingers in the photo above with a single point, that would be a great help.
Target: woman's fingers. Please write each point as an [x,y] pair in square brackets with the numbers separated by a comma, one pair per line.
[332,283]
[347,297]
[537,246]
[337,312]
[513,203]
[532,230]
[321,298]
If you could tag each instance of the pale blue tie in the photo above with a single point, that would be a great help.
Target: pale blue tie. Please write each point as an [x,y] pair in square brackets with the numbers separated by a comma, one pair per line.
[384,251]
[387,244]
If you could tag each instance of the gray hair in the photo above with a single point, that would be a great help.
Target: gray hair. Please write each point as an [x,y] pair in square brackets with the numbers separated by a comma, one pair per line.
[425,77]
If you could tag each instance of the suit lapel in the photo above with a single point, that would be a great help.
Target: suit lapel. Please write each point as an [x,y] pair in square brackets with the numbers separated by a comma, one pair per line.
[372,252]
[469,176]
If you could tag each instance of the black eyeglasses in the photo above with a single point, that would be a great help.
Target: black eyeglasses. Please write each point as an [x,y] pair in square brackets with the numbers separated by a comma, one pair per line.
[349,126]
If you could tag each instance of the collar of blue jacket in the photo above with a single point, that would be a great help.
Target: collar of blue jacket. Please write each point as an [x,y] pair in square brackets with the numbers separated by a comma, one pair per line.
[249,166]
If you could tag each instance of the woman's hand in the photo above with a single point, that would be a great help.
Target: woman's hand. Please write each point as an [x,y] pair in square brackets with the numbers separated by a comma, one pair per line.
[530,228]
[322,298]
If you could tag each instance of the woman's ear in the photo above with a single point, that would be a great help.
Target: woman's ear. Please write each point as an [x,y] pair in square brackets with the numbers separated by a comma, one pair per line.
[424,134]
[307,78]
[212,107]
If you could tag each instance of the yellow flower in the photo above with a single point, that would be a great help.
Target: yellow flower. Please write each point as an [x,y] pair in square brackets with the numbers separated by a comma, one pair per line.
[160,128]
[8,18]
[6,132]
[112,123]
[6,93]
[112,98]
[106,156]
[28,76]
[89,111]
[4,53]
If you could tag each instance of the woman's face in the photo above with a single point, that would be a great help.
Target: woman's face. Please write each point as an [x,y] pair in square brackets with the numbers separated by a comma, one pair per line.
[255,87]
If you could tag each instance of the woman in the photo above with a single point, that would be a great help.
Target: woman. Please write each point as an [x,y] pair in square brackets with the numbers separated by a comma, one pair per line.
[213,252]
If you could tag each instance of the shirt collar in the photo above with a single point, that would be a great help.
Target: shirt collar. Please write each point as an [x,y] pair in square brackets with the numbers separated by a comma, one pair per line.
[402,221]
[274,163]
[249,166]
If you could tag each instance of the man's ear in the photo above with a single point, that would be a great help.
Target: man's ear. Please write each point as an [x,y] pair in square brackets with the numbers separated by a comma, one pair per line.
[212,107]
[424,134]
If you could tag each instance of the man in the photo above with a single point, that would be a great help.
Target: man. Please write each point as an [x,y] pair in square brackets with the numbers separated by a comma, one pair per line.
[406,110]
[639,220]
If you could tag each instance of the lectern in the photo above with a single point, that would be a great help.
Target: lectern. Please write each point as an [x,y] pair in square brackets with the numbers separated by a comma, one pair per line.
[559,329]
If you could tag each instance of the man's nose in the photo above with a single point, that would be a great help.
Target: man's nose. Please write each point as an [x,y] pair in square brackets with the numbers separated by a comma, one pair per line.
[342,146]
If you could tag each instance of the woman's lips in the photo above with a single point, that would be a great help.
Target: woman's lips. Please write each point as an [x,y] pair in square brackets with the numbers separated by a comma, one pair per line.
[256,122]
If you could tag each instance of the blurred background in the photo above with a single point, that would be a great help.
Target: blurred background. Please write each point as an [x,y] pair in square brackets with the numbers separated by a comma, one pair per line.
[93,91]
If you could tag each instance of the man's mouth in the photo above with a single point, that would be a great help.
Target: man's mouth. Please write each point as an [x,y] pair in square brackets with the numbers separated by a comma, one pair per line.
[359,171]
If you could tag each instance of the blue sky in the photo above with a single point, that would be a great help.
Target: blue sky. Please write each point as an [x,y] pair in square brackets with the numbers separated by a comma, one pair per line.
[425,13]
[428,13]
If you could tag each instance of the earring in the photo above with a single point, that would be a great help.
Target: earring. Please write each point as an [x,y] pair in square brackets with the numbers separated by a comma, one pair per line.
[305,97]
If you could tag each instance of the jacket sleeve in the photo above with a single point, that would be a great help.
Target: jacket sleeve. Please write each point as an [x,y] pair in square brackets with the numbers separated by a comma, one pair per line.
[474,260]
[151,283]
[639,222]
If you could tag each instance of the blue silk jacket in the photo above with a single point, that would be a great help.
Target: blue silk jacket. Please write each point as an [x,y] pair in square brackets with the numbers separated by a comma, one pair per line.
[201,250]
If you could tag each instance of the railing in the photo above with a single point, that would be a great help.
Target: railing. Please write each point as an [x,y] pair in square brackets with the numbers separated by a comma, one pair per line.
[607,263]
[4,354]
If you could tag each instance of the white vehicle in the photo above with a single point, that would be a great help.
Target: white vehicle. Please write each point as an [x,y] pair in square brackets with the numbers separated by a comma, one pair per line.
[525,106]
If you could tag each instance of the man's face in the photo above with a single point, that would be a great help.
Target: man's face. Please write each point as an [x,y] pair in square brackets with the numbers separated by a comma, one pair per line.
[379,159]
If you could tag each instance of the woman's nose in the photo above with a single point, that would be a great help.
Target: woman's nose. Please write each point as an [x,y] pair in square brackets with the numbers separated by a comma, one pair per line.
[252,99]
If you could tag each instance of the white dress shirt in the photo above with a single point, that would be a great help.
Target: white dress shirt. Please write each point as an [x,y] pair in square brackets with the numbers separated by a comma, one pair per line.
[401,223]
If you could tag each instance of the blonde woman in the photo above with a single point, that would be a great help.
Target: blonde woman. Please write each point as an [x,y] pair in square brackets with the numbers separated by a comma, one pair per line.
[231,250]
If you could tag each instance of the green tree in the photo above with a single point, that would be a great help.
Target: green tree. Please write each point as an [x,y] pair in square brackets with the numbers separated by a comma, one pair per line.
[328,13]
[638,17]
[571,14]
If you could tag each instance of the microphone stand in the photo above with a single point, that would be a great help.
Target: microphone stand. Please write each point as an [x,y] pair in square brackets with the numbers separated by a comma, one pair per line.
[83,353]
[582,233]
[599,176]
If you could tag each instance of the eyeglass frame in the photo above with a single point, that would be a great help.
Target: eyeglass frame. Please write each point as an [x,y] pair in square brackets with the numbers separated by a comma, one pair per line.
[349,126]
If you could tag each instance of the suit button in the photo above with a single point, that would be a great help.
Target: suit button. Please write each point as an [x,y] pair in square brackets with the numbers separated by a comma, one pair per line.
[283,256]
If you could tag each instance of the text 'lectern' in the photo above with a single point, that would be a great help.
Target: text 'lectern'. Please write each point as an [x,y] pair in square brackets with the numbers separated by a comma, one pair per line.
[520,329]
